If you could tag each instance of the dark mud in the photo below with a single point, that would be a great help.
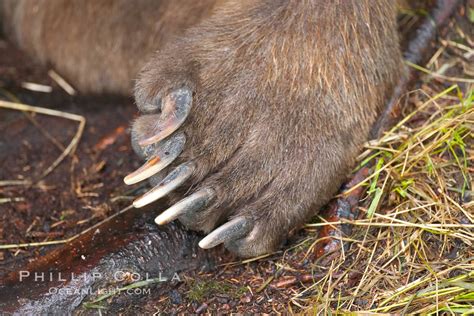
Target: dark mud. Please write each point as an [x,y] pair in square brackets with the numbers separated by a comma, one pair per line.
[82,191]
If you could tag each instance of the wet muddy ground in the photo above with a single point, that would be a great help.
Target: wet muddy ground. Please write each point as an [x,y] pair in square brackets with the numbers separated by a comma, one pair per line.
[81,190]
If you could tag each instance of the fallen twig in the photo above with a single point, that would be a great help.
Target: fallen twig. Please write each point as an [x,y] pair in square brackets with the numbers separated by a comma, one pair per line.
[64,241]
[70,149]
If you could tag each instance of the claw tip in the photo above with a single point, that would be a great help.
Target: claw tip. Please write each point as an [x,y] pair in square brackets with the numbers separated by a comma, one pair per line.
[205,244]
[137,203]
[127,180]
[160,221]
[234,229]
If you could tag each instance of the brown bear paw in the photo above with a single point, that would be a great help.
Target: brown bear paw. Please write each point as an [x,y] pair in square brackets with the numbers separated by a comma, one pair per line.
[220,177]
[250,133]
[230,171]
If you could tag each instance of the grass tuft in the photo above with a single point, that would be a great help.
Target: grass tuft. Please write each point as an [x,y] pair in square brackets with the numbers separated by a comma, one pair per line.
[413,246]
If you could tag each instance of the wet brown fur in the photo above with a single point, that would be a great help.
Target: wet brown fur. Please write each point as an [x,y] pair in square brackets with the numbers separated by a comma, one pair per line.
[285,91]
[99,46]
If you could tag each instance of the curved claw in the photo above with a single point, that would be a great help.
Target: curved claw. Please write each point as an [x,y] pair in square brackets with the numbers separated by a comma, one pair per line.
[163,154]
[175,109]
[235,229]
[176,178]
[192,203]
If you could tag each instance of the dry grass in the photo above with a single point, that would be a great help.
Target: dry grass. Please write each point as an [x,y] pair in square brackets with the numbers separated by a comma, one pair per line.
[413,246]
[413,249]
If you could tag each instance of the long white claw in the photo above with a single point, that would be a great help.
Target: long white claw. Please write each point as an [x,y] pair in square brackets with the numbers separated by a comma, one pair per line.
[235,229]
[176,178]
[192,203]
[174,111]
[163,154]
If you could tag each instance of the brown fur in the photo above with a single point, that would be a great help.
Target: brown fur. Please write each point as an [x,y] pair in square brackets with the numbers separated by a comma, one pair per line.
[285,92]
[99,46]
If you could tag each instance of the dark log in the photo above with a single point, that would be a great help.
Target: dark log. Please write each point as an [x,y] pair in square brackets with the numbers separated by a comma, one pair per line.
[121,251]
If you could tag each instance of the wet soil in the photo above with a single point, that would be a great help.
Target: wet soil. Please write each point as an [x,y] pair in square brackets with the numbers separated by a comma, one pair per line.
[84,188]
